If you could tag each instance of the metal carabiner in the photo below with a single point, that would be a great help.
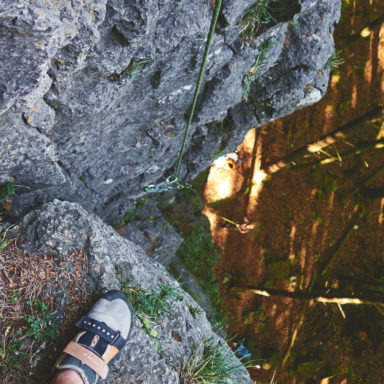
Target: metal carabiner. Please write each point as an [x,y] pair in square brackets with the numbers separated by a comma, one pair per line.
[171,183]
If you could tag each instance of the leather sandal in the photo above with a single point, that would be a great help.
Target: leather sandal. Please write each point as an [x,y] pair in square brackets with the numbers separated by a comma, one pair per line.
[104,331]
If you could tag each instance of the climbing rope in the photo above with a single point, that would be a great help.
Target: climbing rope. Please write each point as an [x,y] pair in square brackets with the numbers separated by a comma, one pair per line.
[172,182]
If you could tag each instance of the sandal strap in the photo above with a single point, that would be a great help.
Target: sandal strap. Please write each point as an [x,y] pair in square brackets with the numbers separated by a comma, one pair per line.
[88,358]
[101,329]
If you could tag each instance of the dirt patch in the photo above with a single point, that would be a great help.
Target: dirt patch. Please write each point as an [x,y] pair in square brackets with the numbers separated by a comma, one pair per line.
[41,298]
[312,220]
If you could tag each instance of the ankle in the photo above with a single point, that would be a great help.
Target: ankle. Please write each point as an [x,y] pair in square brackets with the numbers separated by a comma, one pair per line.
[67,376]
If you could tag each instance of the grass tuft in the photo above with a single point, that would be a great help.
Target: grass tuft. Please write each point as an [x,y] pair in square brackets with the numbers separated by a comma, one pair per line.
[135,66]
[195,311]
[335,60]
[7,190]
[259,14]
[259,63]
[209,364]
[6,235]
[198,255]
[151,305]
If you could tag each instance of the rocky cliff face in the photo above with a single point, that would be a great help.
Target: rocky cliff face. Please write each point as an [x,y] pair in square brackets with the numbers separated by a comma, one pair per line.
[93,94]
[60,227]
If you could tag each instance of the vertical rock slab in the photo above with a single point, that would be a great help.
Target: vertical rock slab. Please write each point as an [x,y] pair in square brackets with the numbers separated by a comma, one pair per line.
[106,84]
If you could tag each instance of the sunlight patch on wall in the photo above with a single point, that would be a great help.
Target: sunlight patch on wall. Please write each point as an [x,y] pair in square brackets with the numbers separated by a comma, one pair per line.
[381,212]
[303,256]
[259,175]
[220,182]
[354,96]
[369,65]
[257,182]
[292,243]
[380,54]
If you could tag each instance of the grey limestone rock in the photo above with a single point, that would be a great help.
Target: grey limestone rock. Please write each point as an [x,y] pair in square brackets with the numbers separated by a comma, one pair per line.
[145,226]
[94,98]
[32,32]
[298,77]
[60,227]
[94,93]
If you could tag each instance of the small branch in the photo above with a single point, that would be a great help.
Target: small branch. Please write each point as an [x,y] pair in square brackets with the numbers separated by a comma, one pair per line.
[365,182]
[294,334]
[324,141]
[327,298]
[336,248]
[229,221]
[367,147]
[341,311]
[379,309]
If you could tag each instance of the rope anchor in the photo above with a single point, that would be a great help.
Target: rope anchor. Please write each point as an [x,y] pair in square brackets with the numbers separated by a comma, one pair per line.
[171,183]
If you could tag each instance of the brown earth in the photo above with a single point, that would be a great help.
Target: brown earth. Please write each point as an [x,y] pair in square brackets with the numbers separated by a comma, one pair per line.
[32,287]
[310,224]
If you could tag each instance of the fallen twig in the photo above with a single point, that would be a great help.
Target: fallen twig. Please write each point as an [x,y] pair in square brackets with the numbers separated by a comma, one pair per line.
[321,298]
[323,142]
[241,227]
[336,248]
[341,310]
[367,147]
[294,333]
[365,182]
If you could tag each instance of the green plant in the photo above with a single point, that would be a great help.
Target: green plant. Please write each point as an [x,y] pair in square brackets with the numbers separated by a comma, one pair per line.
[325,186]
[360,69]
[134,67]
[258,15]
[343,107]
[346,4]
[151,305]
[6,190]
[254,71]
[40,325]
[335,60]
[194,311]
[216,205]
[277,271]
[131,215]
[5,236]
[317,217]
[198,255]
[14,297]
[12,355]
[294,22]
[209,364]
